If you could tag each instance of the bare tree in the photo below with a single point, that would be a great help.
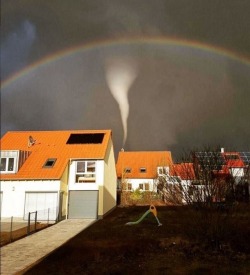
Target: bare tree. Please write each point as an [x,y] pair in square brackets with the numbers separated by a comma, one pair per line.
[210,183]
[124,187]
[203,178]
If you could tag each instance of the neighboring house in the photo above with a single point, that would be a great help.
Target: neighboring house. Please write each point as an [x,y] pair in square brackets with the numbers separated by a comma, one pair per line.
[208,178]
[60,174]
[223,163]
[234,165]
[139,169]
[175,184]
[225,166]
[238,166]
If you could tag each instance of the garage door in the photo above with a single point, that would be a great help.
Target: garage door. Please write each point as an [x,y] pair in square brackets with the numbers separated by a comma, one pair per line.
[45,203]
[83,204]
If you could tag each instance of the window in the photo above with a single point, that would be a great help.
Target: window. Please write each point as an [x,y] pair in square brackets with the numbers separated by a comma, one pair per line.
[129,186]
[146,186]
[163,170]
[143,170]
[7,165]
[127,170]
[160,170]
[9,161]
[49,163]
[85,171]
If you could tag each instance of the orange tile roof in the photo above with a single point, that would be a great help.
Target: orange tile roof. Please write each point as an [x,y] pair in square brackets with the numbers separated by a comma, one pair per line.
[50,144]
[142,159]
[184,170]
[233,163]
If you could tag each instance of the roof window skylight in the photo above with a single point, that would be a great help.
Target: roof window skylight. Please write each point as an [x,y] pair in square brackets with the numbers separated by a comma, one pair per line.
[143,170]
[127,170]
[49,163]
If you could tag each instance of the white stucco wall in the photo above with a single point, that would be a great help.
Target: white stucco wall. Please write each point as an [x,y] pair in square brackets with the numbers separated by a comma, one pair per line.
[237,172]
[13,194]
[110,180]
[64,189]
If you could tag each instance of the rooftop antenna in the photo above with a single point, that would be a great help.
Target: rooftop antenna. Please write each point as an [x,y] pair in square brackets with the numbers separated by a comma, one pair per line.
[31,141]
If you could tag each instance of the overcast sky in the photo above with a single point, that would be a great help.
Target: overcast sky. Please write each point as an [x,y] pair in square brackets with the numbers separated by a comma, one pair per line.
[162,74]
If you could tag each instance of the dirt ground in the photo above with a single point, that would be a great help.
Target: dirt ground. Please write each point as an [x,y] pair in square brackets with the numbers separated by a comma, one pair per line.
[111,247]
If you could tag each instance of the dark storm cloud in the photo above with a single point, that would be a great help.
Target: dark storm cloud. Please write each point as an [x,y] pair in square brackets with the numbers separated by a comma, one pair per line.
[16,48]
[61,24]
[52,97]
[182,96]
[171,101]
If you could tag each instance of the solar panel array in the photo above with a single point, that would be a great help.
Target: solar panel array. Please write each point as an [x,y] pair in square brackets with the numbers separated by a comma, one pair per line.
[95,138]
[211,160]
[245,156]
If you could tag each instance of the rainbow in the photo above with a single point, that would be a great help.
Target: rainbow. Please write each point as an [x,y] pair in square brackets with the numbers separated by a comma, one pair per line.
[125,41]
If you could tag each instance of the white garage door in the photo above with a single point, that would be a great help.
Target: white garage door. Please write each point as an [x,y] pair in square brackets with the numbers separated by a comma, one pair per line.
[45,203]
[83,204]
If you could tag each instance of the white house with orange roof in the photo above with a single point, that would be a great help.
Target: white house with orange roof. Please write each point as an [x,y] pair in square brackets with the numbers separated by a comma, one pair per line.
[139,169]
[175,183]
[59,174]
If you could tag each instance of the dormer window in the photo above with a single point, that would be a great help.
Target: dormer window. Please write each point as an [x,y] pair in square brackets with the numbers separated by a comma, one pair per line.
[9,162]
[143,170]
[49,163]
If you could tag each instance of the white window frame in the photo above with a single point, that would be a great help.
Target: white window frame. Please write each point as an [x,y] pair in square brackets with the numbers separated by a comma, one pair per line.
[129,186]
[163,170]
[88,173]
[7,169]
[9,154]
[144,186]
[148,186]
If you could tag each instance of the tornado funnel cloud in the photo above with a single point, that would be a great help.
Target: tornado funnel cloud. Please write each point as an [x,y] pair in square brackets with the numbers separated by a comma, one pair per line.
[120,75]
